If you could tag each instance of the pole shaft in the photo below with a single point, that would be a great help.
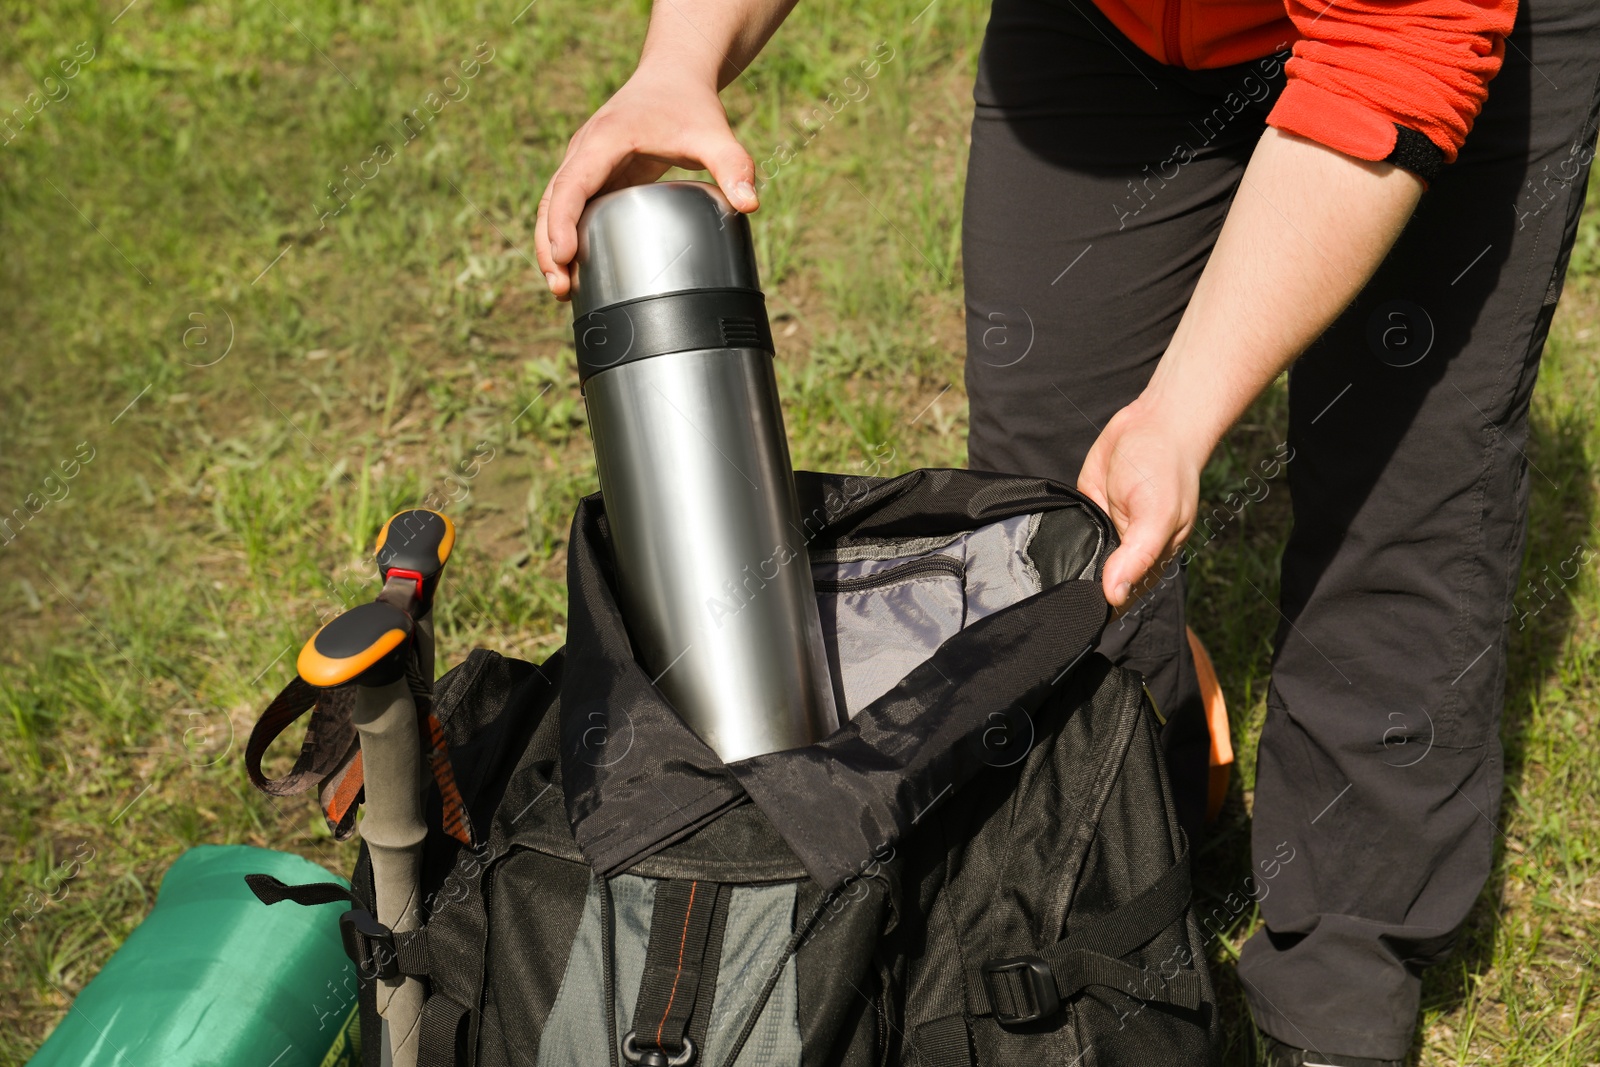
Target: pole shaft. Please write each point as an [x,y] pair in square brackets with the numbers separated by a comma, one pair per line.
[393,828]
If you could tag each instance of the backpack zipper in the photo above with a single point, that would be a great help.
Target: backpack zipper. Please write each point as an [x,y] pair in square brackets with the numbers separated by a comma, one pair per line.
[485,887]
[883,1030]
[608,978]
[926,567]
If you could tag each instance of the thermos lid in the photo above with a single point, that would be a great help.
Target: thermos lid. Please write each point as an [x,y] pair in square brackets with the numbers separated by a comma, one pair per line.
[664,268]
[648,240]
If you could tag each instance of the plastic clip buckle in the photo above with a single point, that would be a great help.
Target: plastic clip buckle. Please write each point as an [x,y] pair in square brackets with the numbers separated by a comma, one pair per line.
[1026,984]
[369,944]
[655,1057]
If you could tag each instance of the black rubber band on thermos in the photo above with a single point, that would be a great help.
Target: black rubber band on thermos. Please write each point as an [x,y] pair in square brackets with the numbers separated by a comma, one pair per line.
[673,322]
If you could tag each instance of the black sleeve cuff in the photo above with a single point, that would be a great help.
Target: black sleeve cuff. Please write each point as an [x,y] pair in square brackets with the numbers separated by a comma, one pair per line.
[1416,153]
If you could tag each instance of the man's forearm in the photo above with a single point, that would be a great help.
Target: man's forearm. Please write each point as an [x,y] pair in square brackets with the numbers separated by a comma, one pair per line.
[1307,229]
[714,39]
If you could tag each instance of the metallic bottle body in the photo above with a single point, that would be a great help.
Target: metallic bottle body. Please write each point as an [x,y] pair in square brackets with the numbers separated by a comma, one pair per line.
[694,467]
[711,559]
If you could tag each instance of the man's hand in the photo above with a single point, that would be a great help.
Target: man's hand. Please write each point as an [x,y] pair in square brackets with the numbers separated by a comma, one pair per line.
[667,115]
[1143,471]
[658,120]
[1307,228]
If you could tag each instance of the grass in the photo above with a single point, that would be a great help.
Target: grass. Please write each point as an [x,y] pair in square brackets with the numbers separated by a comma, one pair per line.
[259,373]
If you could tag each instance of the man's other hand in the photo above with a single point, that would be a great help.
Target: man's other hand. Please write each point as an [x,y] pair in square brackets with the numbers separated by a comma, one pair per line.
[1143,471]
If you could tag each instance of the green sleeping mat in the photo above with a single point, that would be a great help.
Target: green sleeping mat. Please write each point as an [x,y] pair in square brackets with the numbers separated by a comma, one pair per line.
[215,978]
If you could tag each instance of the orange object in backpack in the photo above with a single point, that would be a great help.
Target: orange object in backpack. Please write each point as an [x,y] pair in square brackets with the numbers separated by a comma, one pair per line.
[1221,761]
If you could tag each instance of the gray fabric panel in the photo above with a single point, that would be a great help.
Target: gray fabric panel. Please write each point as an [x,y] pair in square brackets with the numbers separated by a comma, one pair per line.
[760,922]
[575,1035]
[875,637]
[999,570]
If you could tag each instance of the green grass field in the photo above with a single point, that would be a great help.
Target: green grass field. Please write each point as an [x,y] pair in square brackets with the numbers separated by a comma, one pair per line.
[245,375]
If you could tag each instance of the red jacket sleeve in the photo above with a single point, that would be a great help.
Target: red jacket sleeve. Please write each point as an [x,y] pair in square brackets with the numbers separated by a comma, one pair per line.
[1365,66]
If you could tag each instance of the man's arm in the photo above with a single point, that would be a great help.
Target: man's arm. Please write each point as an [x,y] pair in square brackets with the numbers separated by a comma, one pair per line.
[667,115]
[1307,229]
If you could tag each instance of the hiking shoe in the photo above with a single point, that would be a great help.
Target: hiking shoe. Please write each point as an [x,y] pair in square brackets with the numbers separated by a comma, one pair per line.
[1281,1055]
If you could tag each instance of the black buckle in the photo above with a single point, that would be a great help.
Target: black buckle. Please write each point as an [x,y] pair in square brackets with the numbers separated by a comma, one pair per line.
[369,944]
[655,1057]
[1022,989]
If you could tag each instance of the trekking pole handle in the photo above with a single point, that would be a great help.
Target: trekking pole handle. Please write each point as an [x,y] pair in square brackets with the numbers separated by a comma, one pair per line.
[365,645]
[368,645]
[416,544]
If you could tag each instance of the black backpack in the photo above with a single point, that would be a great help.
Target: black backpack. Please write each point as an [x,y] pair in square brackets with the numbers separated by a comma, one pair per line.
[983,867]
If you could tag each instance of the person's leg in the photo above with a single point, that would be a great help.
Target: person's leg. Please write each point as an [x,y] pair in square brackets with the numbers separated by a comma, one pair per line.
[1097,184]
[1379,769]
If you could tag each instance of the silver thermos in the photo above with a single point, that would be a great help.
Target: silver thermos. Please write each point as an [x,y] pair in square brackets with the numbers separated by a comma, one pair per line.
[675,359]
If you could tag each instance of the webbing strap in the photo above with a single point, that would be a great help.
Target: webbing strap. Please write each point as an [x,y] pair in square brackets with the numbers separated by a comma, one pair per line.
[943,1043]
[436,751]
[330,754]
[1026,988]
[329,758]
[377,951]
[711,964]
[439,1042]
[674,962]
[1140,919]
[1078,970]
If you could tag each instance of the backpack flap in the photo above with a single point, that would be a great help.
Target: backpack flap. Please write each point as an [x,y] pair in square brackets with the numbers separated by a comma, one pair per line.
[865,786]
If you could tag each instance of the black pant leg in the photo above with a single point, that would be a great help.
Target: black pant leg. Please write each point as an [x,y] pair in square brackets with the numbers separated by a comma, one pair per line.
[1097,184]
[1379,765]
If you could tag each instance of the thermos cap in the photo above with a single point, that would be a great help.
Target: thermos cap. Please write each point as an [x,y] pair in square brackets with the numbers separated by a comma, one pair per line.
[660,269]
[648,240]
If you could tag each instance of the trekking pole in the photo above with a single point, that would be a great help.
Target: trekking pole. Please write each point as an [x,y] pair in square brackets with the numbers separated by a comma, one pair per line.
[372,646]
[369,645]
